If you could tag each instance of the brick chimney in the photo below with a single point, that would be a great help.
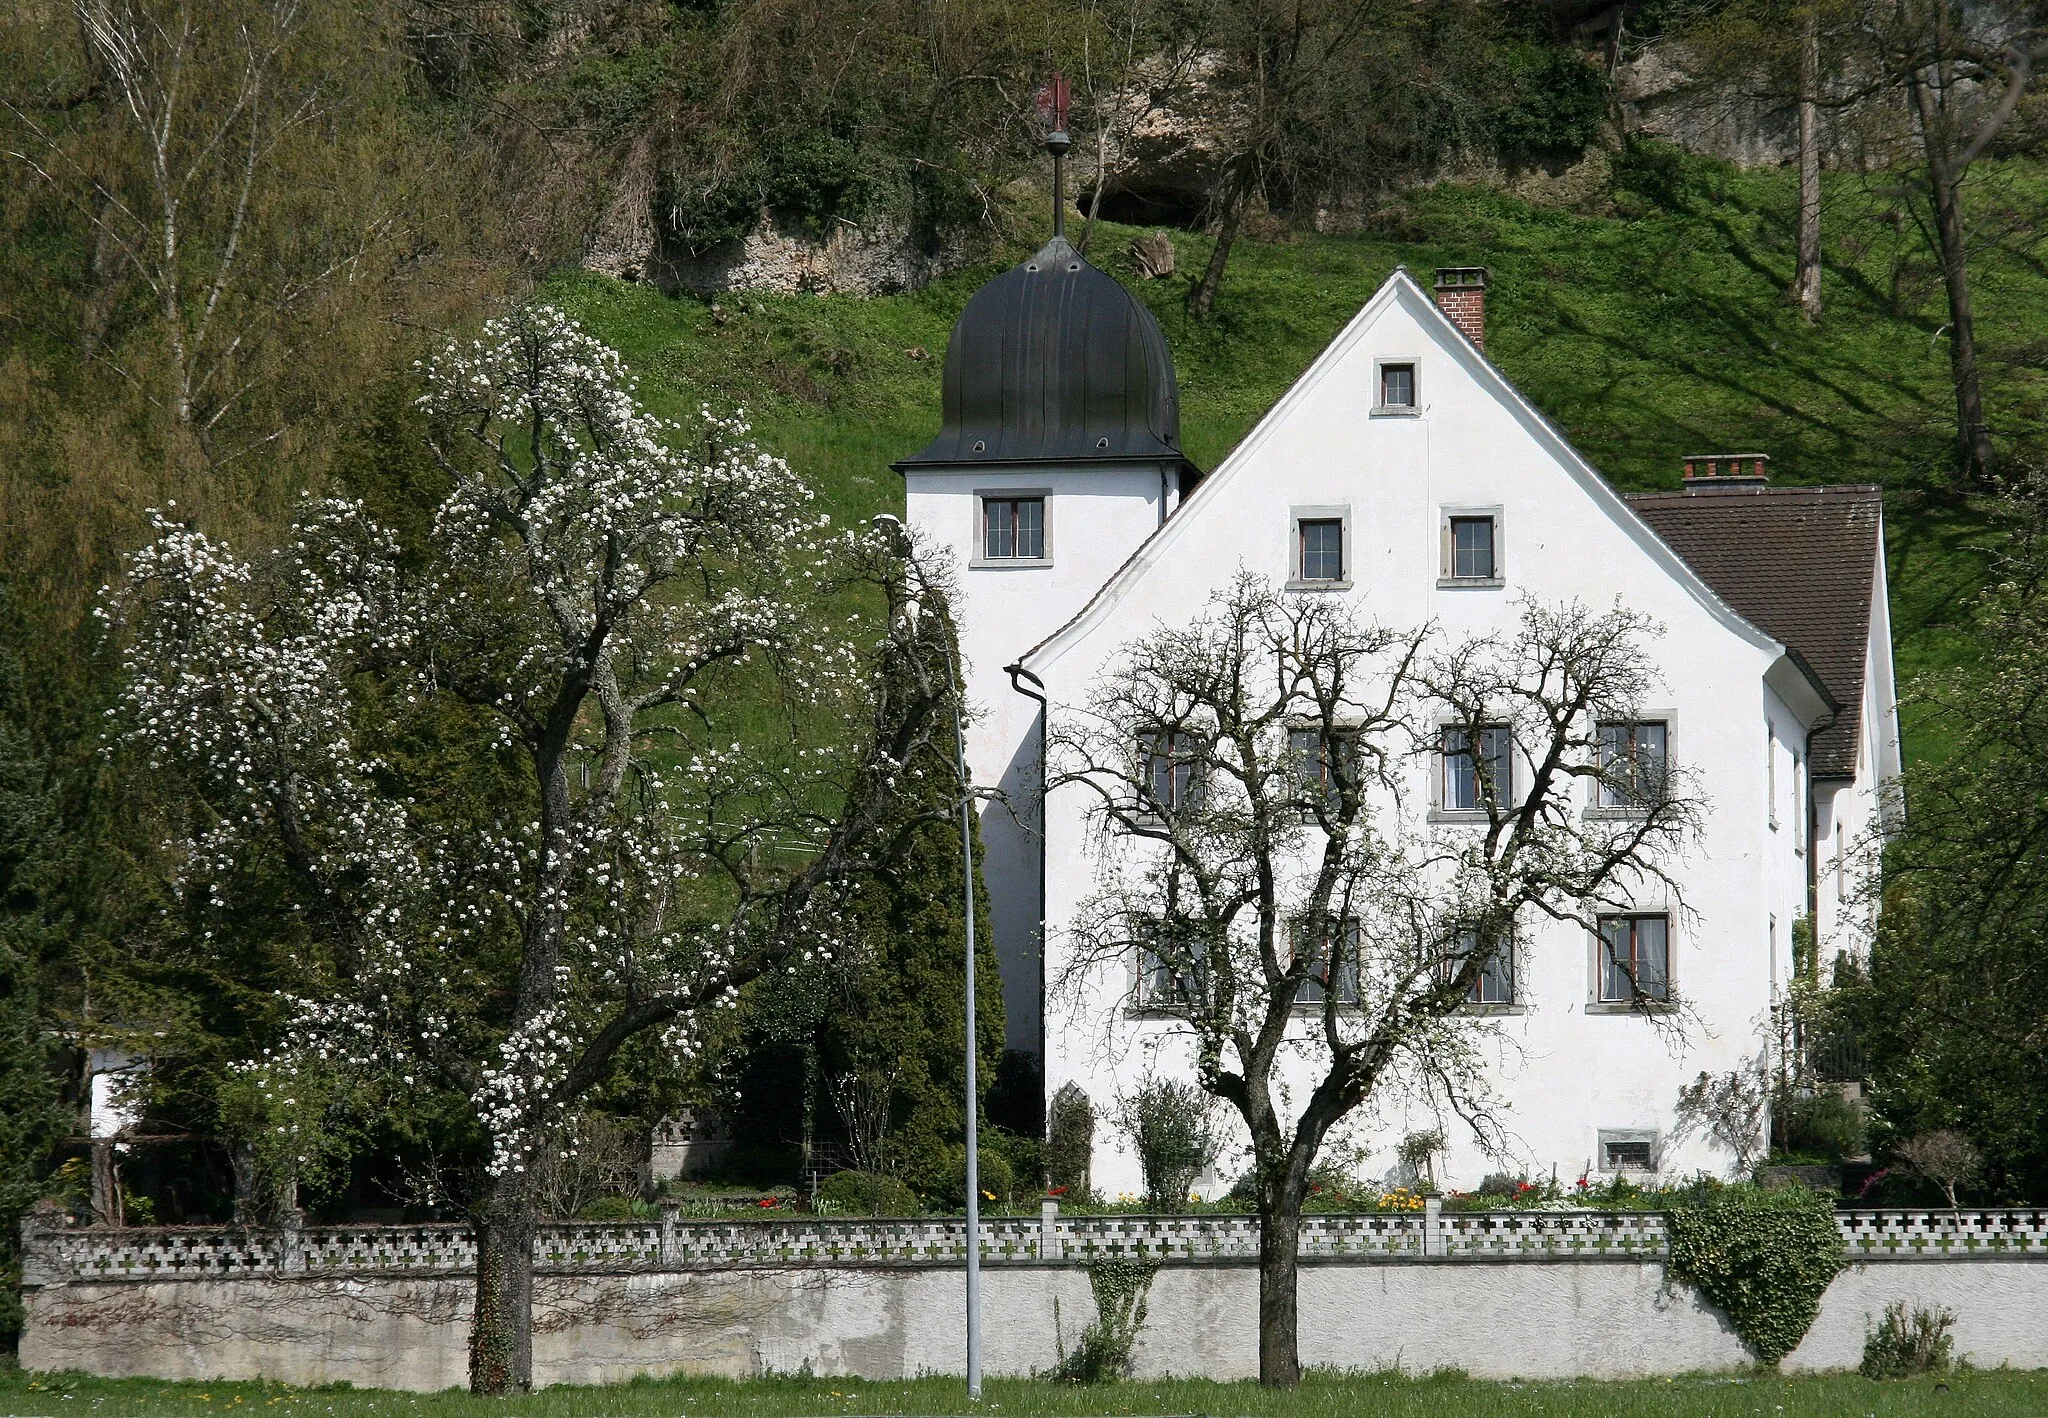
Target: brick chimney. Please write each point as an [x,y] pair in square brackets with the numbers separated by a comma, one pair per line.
[1706,471]
[1461,294]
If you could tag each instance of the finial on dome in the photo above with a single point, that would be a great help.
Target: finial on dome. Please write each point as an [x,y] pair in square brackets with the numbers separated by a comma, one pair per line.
[1051,100]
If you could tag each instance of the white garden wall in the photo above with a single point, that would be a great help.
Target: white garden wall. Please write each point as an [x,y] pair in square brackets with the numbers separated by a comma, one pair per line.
[1546,1295]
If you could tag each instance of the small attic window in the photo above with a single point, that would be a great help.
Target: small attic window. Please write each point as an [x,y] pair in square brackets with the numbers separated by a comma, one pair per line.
[1397,385]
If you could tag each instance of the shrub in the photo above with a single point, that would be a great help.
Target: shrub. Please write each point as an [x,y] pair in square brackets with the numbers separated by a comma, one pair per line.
[1763,1256]
[1069,1139]
[866,1194]
[1170,1125]
[1550,104]
[1104,1353]
[1903,1345]
[606,1208]
[1825,1125]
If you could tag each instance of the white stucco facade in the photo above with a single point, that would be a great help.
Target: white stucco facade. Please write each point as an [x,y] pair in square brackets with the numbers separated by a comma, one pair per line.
[1122,560]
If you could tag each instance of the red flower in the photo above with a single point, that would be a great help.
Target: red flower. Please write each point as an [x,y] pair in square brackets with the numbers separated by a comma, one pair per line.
[1055,1191]
[765,1201]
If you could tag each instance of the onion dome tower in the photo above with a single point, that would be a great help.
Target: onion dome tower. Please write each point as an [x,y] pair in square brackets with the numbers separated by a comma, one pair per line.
[1055,363]
[1058,455]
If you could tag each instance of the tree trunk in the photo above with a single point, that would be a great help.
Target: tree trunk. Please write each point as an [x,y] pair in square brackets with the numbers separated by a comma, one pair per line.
[1204,297]
[1101,180]
[1279,1257]
[501,1328]
[1806,284]
[1973,437]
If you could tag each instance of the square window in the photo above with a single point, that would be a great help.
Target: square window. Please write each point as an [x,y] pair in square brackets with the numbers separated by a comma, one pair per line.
[1472,549]
[1334,966]
[1397,386]
[1013,528]
[1635,959]
[1496,982]
[1474,782]
[1321,544]
[1632,764]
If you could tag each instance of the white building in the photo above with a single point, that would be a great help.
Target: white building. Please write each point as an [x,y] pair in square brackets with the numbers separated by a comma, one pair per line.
[1077,526]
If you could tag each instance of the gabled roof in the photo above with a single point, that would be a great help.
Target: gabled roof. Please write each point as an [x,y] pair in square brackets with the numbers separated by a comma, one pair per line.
[1801,563]
[1399,286]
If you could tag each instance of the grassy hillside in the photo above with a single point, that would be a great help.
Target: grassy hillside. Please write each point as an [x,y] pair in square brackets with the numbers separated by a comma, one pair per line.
[1650,330]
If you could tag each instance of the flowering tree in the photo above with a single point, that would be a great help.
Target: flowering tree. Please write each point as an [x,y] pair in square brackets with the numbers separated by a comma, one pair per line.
[1267,868]
[698,772]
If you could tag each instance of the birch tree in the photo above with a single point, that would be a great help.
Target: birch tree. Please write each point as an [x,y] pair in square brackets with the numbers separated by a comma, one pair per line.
[640,616]
[1267,872]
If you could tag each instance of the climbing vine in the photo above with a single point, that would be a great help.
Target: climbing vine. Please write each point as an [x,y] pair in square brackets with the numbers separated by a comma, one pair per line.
[1104,1353]
[1765,1257]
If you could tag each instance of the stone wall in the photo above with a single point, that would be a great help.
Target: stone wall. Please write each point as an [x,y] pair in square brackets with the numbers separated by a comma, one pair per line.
[1552,1295]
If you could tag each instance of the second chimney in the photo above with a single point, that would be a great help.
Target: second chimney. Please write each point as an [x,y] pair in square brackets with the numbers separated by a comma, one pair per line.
[1712,470]
[1461,293]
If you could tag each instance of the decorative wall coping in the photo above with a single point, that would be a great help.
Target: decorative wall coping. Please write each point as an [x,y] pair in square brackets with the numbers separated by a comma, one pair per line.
[55,1256]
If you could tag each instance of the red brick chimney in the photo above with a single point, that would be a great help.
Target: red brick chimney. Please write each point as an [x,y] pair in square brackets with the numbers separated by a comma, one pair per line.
[1706,471]
[1461,294]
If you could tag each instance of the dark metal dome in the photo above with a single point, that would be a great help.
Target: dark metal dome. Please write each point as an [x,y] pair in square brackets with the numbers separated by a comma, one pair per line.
[1053,361]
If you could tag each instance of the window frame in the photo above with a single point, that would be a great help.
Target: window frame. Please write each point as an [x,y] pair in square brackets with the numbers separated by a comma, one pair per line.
[1442,806]
[1339,513]
[1447,577]
[1380,407]
[1186,766]
[1318,768]
[1599,805]
[1646,1138]
[982,498]
[1311,994]
[1636,999]
[1476,998]
[1151,965]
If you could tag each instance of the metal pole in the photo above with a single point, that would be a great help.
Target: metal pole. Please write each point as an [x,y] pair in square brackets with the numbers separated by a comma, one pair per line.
[973,1092]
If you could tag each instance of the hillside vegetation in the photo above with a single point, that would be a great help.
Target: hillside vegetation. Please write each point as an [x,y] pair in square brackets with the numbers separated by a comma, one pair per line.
[1653,329]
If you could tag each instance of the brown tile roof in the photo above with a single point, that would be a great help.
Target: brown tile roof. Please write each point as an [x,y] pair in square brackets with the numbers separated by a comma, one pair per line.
[1797,563]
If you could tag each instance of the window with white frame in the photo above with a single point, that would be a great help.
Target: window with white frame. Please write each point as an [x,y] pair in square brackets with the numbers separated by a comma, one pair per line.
[1633,757]
[1635,959]
[1478,770]
[1397,384]
[1319,549]
[1333,967]
[1012,528]
[1496,982]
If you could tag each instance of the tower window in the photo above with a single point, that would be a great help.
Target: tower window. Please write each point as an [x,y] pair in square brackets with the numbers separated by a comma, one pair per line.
[1013,528]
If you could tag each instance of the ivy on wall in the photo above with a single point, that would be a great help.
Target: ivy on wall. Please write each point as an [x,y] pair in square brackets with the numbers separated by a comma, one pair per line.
[1765,1257]
[1104,1353]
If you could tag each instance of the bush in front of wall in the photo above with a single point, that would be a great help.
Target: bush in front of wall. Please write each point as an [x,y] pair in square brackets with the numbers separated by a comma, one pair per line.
[1908,1343]
[866,1194]
[1765,1257]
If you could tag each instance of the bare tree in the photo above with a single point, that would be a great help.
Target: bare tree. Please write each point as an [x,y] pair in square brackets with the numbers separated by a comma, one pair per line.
[1731,1109]
[1962,71]
[1254,772]
[211,202]
[1944,1157]
[1806,279]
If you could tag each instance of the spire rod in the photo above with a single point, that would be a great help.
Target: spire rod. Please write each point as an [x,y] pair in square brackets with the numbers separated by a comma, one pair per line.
[1052,100]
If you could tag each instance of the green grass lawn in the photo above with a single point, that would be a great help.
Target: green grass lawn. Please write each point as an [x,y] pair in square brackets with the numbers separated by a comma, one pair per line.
[1996,1394]
[1649,329]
